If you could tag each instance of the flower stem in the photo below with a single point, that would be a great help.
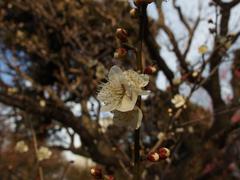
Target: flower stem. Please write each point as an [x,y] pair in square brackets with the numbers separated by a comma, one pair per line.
[142,22]
[35,145]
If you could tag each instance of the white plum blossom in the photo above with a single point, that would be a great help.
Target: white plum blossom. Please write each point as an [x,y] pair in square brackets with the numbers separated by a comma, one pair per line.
[122,90]
[178,101]
[43,153]
[21,147]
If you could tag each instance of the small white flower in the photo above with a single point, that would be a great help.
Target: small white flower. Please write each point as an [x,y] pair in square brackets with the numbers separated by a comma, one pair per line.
[43,153]
[20,34]
[195,73]
[202,49]
[42,103]
[21,147]
[12,90]
[190,129]
[179,130]
[131,119]
[122,89]
[178,101]
[177,81]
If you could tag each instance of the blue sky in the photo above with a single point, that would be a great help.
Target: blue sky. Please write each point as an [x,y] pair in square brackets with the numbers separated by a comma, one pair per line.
[192,9]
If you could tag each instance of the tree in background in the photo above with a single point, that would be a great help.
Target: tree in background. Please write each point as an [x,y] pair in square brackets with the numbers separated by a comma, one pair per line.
[55,53]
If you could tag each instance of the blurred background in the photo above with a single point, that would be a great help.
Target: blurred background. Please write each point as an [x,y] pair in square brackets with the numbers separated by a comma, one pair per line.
[54,54]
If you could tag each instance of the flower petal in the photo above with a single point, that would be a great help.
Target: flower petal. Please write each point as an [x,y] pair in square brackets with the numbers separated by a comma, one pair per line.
[127,103]
[111,95]
[178,100]
[115,73]
[138,80]
[122,89]
[144,92]
[144,79]
[108,107]
[131,119]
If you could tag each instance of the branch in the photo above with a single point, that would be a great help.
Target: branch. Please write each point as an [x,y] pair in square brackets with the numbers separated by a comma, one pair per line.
[191,35]
[153,50]
[227,5]
[176,49]
[181,16]
[173,40]
[79,151]
[64,116]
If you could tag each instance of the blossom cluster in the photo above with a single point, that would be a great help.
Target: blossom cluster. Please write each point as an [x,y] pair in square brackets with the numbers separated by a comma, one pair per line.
[42,153]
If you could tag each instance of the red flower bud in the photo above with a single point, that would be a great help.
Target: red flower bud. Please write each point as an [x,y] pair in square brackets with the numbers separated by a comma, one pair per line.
[96,172]
[237,72]
[141,2]
[121,34]
[163,153]
[153,157]
[184,77]
[120,53]
[138,2]
[109,177]
[149,1]
[150,70]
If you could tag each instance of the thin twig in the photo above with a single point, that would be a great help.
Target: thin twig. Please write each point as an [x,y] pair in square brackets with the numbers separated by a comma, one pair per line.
[142,22]
[35,145]
[65,170]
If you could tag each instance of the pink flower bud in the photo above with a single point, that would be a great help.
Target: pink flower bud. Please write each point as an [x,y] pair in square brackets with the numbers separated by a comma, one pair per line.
[237,73]
[96,172]
[153,157]
[138,2]
[149,1]
[150,70]
[163,153]
[109,177]
[121,34]
[141,2]
[120,53]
